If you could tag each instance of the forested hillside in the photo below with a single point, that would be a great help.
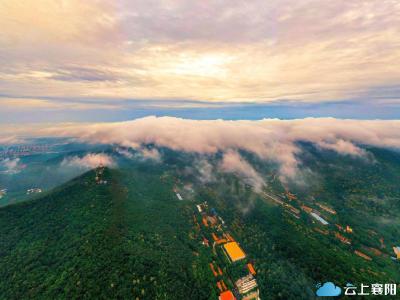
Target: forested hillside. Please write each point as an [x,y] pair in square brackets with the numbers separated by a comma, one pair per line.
[122,239]
[124,233]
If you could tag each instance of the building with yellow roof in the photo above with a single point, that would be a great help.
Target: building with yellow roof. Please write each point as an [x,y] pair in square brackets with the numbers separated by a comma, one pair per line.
[234,251]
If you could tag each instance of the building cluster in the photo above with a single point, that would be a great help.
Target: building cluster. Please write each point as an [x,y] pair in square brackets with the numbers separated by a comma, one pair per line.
[235,276]
[99,175]
[315,214]
[362,255]
[23,150]
[178,195]
[341,232]
[247,284]
[327,209]
[3,192]
[346,229]
[33,191]
[290,209]
[342,238]
[291,196]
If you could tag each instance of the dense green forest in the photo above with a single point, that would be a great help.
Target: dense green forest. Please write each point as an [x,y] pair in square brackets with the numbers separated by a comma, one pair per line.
[126,239]
[133,238]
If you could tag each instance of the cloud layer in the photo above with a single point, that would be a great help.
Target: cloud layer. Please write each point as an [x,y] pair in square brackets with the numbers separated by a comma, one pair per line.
[89,161]
[228,51]
[269,139]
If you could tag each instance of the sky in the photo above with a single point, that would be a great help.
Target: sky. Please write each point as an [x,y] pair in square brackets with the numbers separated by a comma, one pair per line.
[116,60]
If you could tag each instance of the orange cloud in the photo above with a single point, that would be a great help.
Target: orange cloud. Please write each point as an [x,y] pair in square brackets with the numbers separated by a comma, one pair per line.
[215,51]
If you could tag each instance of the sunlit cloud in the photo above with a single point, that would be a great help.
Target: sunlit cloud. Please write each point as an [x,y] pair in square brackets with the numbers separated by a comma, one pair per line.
[269,139]
[27,104]
[89,161]
[232,162]
[224,51]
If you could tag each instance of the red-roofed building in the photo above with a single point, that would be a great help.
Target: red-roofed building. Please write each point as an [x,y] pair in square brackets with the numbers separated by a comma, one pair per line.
[227,295]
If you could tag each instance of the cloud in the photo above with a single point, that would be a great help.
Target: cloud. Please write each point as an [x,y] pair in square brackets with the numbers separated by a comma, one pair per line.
[269,139]
[11,166]
[143,153]
[234,163]
[26,103]
[89,161]
[30,104]
[10,140]
[82,74]
[152,154]
[302,50]
[329,289]
[205,169]
[344,147]
[124,152]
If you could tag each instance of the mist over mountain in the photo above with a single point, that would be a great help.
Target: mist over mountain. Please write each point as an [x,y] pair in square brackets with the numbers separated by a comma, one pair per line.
[174,149]
[127,233]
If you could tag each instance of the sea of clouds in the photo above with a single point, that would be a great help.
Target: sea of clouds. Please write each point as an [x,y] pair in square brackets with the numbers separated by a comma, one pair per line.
[269,139]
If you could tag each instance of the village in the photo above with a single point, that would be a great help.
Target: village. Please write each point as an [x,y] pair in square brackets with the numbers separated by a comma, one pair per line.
[3,193]
[320,217]
[23,150]
[235,275]
[33,191]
